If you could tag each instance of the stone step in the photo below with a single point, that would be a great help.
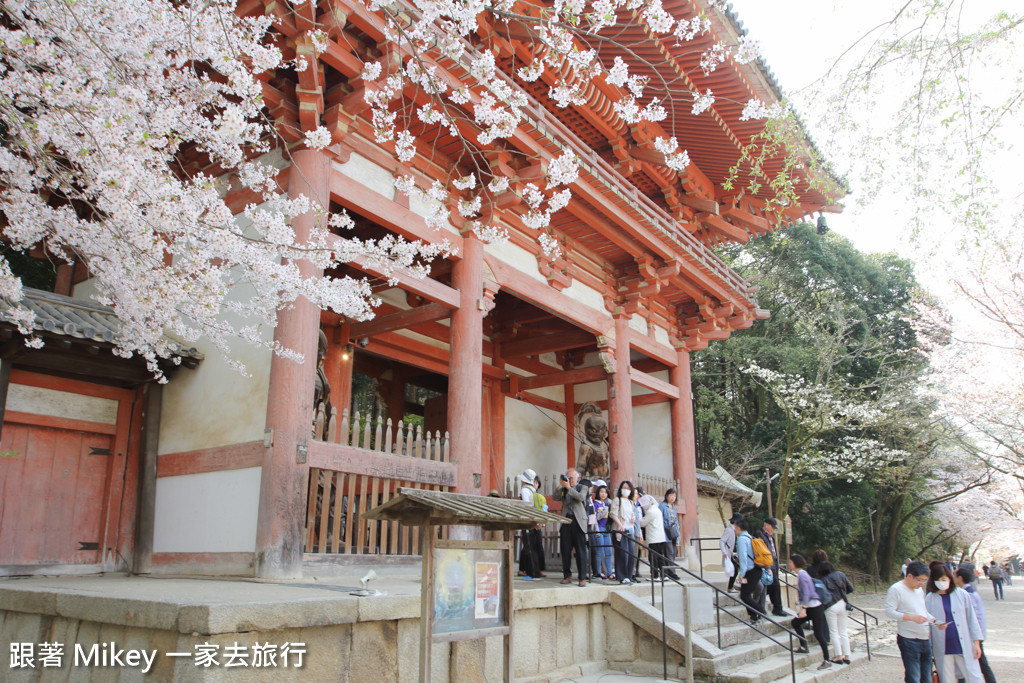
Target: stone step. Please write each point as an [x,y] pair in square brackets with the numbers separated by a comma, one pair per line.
[776,669]
[742,655]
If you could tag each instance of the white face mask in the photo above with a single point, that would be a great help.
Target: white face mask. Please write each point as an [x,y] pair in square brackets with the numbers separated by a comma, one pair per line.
[625,493]
[942,585]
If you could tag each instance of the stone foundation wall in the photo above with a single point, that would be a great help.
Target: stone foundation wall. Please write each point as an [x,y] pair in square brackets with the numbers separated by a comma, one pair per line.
[376,642]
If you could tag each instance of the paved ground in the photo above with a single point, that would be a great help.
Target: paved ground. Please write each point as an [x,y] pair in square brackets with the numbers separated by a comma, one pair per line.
[1004,647]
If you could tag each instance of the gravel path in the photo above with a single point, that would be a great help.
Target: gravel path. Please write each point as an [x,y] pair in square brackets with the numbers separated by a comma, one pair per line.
[1004,647]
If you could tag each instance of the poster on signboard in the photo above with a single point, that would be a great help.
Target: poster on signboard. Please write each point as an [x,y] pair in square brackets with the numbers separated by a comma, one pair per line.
[488,583]
[468,591]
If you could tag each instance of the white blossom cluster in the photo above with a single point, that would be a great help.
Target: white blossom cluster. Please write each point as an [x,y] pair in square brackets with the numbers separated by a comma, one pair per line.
[432,32]
[100,101]
[756,109]
[832,422]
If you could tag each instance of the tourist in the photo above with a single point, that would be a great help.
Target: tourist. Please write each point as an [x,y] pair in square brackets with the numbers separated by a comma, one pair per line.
[955,631]
[602,539]
[541,503]
[727,544]
[622,514]
[835,614]
[654,530]
[671,519]
[810,609]
[638,532]
[996,575]
[1007,574]
[904,567]
[750,573]
[964,578]
[817,558]
[904,602]
[774,589]
[574,494]
[528,567]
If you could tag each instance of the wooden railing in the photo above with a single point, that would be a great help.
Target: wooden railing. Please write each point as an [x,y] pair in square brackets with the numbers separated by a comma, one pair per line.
[379,435]
[337,502]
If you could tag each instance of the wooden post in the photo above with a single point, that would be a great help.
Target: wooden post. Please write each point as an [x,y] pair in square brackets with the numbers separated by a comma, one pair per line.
[570,426]
[684,448]
[280,527]
[620,405]
[509,577]
[147,479]
[465,374]
[426,602]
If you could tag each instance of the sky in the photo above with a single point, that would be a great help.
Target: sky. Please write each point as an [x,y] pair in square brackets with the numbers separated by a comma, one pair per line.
[800,40]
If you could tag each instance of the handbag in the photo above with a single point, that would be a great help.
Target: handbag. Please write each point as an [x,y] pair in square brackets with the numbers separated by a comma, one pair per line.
[766,577]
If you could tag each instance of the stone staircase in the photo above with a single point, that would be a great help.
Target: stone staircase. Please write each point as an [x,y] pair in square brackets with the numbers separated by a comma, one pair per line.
[745,656]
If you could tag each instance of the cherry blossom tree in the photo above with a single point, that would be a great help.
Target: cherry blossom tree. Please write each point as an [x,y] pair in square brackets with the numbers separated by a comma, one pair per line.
[828,430]
[124,125]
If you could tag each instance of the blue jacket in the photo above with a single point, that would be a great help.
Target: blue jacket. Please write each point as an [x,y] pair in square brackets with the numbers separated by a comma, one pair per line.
[745,552]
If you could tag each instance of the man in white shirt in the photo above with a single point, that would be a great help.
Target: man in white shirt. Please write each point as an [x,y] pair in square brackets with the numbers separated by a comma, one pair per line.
[727,544]
[905,603]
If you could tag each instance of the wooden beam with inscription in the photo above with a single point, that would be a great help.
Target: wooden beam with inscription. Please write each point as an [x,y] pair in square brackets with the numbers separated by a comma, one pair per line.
[338,458]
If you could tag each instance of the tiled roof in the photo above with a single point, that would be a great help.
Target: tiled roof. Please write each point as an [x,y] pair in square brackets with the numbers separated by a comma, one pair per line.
[711,480]
[416,506]
[64,316]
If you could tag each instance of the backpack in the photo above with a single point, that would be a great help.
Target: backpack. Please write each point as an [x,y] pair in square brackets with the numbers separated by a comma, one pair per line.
[762,556]
[539,501]
[824,595]
[995,573]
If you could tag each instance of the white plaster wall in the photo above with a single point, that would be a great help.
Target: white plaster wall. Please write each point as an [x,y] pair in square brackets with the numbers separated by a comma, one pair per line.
[517,257]
[369,174]
[213,512]
[215,405]
[55,403]
[652,440]
[591,391]
[661,335]
[588,296]
[534,438]
[636,322]
[711,526]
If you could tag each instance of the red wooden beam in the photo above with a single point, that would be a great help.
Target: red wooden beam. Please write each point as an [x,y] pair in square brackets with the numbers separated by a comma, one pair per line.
[578,376]
[653,383]
[400,320]
[546,344]
[429,289]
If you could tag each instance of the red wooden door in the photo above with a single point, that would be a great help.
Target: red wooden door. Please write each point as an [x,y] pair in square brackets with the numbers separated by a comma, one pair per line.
[61,480]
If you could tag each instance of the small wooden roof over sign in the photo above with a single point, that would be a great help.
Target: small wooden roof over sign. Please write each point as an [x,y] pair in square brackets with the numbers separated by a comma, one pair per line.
[418,506]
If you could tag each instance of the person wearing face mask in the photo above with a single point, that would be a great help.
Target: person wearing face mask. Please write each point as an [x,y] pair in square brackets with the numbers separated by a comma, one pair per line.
[964,578]
[622,516]
[955,633]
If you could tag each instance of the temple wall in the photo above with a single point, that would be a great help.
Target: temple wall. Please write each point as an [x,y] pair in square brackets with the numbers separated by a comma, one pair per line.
[532,439]
[208,512]
[215,405]
[556,637]
[521,259]
[588,296]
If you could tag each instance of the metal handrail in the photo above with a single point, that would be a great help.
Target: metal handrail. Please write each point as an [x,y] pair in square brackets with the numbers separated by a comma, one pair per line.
[700,550]
[718,607]
[863,622]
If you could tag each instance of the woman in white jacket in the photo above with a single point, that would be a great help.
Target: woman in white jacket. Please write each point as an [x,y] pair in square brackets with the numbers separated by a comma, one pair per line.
[955,633]
[654,525]
[622,516]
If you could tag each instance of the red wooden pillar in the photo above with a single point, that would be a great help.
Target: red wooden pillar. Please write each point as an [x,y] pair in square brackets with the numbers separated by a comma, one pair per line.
[465,367]
[684,448]
[338,368]
[570,425]
[281,522]
[620,406]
